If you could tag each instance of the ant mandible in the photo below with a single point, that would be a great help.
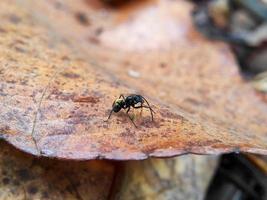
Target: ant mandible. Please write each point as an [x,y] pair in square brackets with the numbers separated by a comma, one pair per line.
[130,101]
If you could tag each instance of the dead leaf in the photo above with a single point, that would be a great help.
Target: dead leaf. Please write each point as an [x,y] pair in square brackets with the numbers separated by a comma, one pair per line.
[184,177]
[26,177]
[47,60]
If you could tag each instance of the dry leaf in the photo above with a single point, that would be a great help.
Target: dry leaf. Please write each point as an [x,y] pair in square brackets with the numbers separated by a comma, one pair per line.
[184,177]
[26,177]
[49,59]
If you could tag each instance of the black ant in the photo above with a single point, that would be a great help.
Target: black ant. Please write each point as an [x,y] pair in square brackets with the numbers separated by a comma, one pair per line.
[130,101]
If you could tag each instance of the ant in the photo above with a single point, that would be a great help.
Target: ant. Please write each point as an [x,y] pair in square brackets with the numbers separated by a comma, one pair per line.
[130,101]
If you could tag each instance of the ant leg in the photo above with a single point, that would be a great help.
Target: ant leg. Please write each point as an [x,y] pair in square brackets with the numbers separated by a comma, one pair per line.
[130,117]
[148,104]
[149,107]
[142,106]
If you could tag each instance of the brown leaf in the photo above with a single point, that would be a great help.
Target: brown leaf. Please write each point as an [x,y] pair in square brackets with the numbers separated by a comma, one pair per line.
[184,177]
[25,177]
[47,62]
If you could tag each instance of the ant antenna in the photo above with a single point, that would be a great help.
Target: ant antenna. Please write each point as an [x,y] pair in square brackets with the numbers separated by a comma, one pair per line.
[109,115]
[110,112]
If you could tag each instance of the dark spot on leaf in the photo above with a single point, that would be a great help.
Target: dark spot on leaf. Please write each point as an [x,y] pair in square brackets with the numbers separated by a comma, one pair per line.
[191,133]
[71,75]
[4,172]
[58,5]
[2,30]
[98,31]
[57,94]
[14,19]
[167,114]
[65,58]
[163,65]
[11,81]
[45,195]
[89,99]
[32,189]
[5,181]
[20,49]
[16,183]
[82,18]
[204,143]
[19,41]
[147,123]
[24,174]
[196,102]
[23,82]
[66,130]
[94,40]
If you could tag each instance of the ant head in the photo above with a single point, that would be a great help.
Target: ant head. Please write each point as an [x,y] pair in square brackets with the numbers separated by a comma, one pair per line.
[117,106]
